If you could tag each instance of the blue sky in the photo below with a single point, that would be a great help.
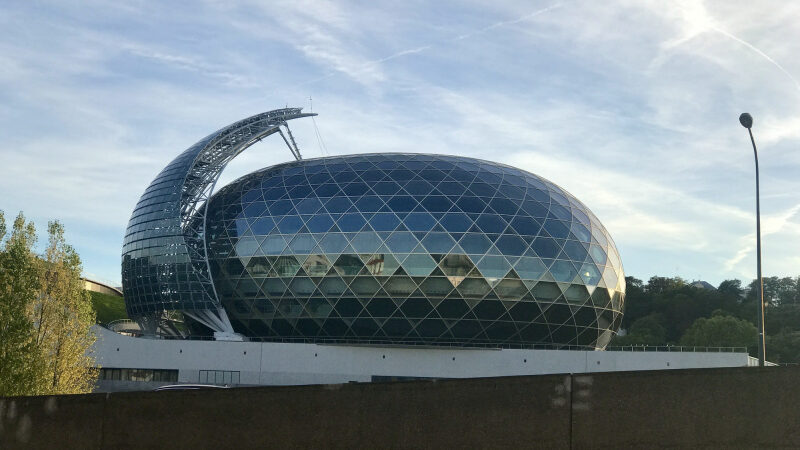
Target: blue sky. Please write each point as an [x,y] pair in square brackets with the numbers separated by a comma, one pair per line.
[631,106]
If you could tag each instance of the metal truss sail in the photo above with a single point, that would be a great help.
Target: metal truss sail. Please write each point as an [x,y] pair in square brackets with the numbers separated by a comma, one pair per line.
[164,256]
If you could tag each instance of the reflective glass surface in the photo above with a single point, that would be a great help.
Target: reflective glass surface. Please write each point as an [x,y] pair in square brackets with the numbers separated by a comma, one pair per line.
[411,248]
[164,259]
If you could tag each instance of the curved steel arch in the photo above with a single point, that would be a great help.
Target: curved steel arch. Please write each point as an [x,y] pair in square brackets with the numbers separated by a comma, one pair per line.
[164,257]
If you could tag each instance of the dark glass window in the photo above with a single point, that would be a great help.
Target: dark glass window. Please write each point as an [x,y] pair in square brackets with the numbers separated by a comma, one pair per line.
[302,244]
[369,203]
[418,265]
[327,190]
[273,245]
[308,206]
[556,228]
[319,223]
[475,243]
[503,206]
[419,222]
[493,266]
[530,268]
[563,271]
[526,225]
[482,189]
[545,247]
[471,204]
[418,187]
[333,243]
[510,244]
[262,226]
[575,250]
[338,205]
[402,203]
[490,223]
[416,307]
[290,224]
[438,242]
[456,222]
[351,222]
[356,189]
[384,222]
[366,242]
[402,242]
[489,310]
[386,188]
[437,203]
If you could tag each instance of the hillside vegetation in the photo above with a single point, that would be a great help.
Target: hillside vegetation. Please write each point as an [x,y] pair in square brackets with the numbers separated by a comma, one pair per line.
[670,311]
[108,307]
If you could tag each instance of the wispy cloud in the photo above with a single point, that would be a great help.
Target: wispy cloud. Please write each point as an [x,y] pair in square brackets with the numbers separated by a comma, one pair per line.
[698,21]
[631,106]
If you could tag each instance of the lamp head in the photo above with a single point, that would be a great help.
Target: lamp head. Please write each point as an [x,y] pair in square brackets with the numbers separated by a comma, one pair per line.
[746,120]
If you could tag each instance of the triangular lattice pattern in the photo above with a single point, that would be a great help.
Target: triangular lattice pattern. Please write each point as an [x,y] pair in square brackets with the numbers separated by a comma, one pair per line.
[412,248]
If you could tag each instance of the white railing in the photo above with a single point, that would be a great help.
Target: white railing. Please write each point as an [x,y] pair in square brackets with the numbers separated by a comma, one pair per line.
[675,348]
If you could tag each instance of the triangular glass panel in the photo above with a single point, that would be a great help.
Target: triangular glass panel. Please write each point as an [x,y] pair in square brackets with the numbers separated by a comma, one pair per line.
[437,272]
[508,304]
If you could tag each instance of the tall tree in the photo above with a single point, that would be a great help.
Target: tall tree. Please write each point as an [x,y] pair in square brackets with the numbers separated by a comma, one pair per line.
[731,288]
[647,330]
[63,314]
[657,285]
[20,367]
[721,330]
[776,290]
[45,315]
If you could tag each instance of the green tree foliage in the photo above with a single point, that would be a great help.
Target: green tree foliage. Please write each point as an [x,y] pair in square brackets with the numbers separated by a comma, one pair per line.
[731,288]
[784,347]
[658,285]
[20,368]
[675,303]
[721,330]
[45,315]
[63,314]
[777,291]
[647,330]
[637,302]
[674,306]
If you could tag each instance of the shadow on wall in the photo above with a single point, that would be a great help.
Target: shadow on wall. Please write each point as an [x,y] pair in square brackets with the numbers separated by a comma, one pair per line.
[739,407]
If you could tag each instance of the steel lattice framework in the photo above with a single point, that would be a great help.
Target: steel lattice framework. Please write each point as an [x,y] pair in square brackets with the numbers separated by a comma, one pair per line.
[412,249]
[164,258]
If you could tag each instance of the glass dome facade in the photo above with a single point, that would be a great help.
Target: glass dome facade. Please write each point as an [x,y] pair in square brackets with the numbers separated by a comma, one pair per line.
[412,249]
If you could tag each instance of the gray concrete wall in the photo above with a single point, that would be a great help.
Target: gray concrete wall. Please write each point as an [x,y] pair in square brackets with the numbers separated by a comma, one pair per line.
[276,363]
[711,408]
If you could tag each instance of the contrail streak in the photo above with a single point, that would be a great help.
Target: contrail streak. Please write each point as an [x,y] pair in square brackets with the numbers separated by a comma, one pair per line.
[370,64]
[507,22]
[755,49]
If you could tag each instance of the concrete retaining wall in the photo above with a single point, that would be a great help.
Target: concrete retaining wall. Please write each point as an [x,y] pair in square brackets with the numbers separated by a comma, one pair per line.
[275,363]
[724,408]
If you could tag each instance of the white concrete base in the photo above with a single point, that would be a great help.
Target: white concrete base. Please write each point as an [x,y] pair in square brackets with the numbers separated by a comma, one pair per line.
[274,363]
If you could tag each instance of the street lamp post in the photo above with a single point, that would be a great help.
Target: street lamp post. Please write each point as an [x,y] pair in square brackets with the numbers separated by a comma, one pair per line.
[747,121]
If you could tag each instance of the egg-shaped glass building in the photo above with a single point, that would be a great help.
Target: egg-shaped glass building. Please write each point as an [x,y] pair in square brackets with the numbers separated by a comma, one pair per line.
[371,248]
[412,248]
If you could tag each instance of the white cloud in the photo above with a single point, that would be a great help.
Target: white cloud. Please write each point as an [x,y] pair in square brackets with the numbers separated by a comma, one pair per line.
[631,106]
